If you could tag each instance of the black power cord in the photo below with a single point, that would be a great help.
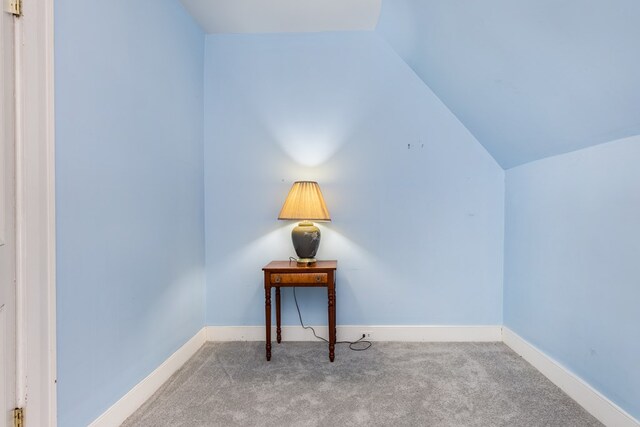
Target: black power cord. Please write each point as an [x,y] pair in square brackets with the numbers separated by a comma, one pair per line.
[351,343]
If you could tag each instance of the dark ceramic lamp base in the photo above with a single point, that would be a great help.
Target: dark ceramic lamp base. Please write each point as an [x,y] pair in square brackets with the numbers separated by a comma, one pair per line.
[306,240]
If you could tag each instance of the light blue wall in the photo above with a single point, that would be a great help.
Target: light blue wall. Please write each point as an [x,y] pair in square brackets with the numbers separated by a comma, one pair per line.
[418,232]
[129,187]
[572,276]
[529,78]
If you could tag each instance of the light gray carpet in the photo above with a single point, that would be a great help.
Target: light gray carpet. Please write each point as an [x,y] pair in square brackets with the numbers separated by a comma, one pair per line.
[391,384]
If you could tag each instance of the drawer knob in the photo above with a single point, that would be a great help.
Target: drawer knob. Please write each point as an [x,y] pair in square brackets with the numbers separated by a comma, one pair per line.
[277,279]
[318,278]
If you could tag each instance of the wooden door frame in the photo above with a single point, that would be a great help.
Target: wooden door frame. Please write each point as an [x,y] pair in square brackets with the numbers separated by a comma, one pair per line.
[35,214]
[8,326]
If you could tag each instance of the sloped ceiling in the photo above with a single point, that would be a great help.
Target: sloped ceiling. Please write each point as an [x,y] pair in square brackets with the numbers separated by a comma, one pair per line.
[284,16]
[530,78]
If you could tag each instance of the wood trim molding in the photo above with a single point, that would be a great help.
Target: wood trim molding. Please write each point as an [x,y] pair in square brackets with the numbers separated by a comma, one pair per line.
[490,333]
[35,213]
[130,402]
[589,398]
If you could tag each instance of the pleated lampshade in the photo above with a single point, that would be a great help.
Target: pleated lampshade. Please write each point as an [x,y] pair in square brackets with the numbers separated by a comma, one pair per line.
[305,202]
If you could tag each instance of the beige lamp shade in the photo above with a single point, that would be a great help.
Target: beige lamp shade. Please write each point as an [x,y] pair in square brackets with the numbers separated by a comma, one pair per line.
[305,202]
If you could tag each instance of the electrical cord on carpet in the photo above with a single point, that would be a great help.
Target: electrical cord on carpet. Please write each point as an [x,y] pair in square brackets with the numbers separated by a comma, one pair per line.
[351,343]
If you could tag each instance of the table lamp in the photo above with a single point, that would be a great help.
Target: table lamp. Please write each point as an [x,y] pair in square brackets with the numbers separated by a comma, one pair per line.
[305,203]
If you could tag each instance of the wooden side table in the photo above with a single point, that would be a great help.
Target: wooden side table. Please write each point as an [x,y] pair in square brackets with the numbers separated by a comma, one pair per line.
[278,274]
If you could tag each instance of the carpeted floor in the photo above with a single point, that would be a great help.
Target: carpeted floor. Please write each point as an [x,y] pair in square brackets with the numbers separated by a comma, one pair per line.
[391,384]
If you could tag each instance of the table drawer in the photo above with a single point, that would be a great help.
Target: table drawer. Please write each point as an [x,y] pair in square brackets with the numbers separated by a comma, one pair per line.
[277,278]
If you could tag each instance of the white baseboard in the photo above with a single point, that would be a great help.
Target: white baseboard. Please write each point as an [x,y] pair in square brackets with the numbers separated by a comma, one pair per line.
[492,333]
[130,402]
[599,406]
[589,398]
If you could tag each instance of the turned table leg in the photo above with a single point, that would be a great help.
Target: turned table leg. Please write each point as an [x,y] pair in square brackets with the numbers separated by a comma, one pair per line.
[332,321]
[278,331]
[267,311]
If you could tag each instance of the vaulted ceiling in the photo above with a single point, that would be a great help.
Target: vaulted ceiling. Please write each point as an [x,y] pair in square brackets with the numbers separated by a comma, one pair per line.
[530,78]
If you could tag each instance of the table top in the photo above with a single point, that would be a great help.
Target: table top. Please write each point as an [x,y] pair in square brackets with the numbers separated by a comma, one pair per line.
[293,266]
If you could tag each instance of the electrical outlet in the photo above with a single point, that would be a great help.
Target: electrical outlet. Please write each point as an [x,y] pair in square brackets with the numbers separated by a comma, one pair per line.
[366,335]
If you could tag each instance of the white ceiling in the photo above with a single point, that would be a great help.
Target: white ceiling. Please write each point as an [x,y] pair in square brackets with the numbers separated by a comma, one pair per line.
[284,16]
